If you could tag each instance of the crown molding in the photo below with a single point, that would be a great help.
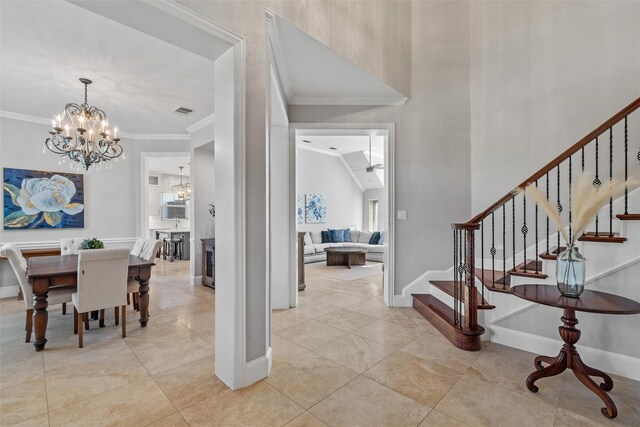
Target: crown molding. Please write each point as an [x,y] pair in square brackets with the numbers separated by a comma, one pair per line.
[208,120]
[347,100]
[137,136]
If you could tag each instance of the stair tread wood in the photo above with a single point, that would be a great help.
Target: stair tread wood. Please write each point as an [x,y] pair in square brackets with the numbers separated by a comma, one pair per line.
[440,316]
[501,284]
[447,286]
[530,270]
[629,217]
[553,253]
[602,237]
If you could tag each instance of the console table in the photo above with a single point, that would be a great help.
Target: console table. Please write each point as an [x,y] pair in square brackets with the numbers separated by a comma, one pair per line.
[589,301]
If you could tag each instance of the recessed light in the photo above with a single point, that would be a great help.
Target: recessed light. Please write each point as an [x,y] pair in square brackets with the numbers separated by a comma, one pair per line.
[307,141]
[183,110]
[332,148]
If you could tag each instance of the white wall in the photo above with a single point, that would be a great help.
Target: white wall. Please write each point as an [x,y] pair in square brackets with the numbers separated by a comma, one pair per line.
[379,194]
[202,177]
[318,173]
[112,196]
[543,75]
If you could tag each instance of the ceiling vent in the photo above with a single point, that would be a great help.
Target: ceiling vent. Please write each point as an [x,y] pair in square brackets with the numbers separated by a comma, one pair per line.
[183,110]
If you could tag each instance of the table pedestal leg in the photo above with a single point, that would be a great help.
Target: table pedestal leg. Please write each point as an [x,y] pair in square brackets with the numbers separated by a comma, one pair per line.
[143,302]
[569,358]
[40,320]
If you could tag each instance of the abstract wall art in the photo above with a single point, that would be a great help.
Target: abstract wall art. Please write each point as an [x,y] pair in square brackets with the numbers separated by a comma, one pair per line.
[300,208]
[316,209]
[40,199]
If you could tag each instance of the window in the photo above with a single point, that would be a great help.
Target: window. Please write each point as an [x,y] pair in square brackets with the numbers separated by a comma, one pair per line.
[373,215]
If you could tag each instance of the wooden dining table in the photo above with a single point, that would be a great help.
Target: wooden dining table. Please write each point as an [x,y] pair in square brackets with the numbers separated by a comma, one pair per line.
[49,271]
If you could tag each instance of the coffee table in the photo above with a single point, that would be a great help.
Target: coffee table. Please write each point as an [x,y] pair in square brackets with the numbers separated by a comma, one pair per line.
[568,358]
[345,256]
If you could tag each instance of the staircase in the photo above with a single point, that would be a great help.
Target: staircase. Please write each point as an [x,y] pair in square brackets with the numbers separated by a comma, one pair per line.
[513,241]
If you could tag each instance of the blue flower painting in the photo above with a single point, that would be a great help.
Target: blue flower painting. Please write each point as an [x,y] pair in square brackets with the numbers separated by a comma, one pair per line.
[300,208]
[316,209]
[39,199]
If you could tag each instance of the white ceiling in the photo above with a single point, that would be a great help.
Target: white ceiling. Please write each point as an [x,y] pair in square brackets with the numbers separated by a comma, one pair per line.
[354,150]
[169,165]
[139,80]
[313,74]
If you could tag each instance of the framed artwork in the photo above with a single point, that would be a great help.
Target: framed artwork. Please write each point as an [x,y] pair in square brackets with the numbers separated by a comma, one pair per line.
[41,199]
[316,209]
[300,208]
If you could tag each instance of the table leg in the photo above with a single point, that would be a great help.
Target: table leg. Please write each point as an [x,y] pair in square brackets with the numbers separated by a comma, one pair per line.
[580,370]
[538,361]
[40,314]
[143,295]
[607,385]
[557,367]
[349,261]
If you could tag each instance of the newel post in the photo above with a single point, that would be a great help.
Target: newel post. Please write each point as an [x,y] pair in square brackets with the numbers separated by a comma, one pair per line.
[468,267]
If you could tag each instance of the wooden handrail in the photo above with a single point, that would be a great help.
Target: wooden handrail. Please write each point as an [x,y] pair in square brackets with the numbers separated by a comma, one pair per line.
[561,158]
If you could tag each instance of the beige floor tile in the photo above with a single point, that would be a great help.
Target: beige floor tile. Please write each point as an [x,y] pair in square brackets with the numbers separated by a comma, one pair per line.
[66,353]
[372,308]
[79,382]
[354,352]
[387,333]
[190,383]
[346,320]
[306,420]
[311,334]
[575,397]
[474,401]
[341,300]
[140,403]
[409,318]
[439,350]
[284,350]
[313,293]
[309,378]
[316,308]
[39,421]
[566,418]
[257,405]
[422,380]
[199,321]
[174,420]
[438,419]
[360,292]
[19,363]
[21,402]
[363,402]
[283,319]
[509,368]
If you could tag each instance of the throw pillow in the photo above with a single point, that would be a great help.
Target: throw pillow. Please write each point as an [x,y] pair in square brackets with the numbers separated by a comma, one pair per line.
[307,239]
[375,237]
[333,236]
[339,235]
[325,237]
[347,235]
[381,241]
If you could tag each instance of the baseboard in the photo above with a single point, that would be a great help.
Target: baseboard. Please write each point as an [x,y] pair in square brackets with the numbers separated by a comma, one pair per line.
[257,369]
[613,363]
[9,291]
[420,285]
[196,280]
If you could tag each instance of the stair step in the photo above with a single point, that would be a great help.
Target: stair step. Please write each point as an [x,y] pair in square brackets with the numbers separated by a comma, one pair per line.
[501,283]
[530,271]
[553,253]
[447,286]
[440,316]
[628,217]
[602,237]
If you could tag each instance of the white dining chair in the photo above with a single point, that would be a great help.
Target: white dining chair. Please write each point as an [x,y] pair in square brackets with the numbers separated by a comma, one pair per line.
[57,295]
[102,283]
[145,249]
[71,245]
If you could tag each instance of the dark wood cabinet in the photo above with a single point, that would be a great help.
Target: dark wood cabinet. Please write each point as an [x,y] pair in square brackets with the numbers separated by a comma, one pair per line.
[209,262]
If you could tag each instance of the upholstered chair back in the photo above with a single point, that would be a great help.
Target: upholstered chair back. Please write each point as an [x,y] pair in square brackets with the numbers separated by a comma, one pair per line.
[19,265]
[146,248]
[102,279]
[70,246]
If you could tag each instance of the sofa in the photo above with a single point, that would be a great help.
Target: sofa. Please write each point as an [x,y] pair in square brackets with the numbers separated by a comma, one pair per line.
[314,248]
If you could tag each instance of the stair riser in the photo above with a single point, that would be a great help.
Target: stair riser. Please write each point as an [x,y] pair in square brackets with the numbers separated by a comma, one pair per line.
[459,340]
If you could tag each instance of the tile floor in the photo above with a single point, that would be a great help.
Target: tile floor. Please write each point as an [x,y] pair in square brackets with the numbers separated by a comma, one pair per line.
[341,358]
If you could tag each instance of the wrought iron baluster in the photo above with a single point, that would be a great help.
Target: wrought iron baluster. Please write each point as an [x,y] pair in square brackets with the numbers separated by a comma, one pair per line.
[610,179]
[582,153]
[482,252]
[559,205]
[536,239]
[524,230]
[455,276]
[504,245]
[493,252]
[473,312]
[463,270]
[626,166]
[513,231]
[547,184]
[570,176]
[596,181]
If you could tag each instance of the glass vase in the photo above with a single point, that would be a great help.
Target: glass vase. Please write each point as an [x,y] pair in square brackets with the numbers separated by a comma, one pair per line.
[570,272]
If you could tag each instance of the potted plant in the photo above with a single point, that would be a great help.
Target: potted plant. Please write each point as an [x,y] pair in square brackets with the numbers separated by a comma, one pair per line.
[92,243]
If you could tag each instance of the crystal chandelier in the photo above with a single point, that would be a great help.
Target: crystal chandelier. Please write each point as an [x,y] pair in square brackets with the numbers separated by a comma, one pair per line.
[182,190]
[81,133]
